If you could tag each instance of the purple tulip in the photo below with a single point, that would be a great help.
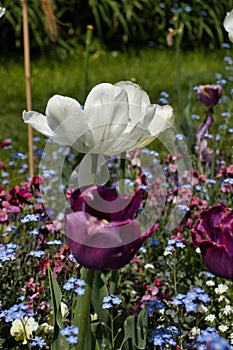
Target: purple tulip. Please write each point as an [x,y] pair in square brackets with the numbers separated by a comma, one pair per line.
[101,227]
[213,234]
[209,94]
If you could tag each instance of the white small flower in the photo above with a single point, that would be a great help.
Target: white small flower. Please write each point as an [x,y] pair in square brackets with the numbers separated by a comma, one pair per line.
[210,283]
[228,24]
[94,317]
[198,250]
[210,318]
[46,328]
[222,288]
[202,308]
[161,311]
[227,310]
[22,329]
[223,328]
[167,252]
[149,266]
[133,293]
[64,310]
[2,11]
[195,331]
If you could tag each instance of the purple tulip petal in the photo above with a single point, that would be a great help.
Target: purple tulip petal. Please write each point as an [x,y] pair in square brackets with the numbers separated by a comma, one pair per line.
[213,234]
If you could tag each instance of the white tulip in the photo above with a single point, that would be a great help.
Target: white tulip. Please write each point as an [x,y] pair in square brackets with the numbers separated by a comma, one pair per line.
[228,24]
[2,11]
[114,119]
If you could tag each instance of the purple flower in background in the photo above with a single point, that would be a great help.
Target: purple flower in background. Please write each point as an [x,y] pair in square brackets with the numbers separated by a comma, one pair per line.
[213,234]
[205,154]
[209,94]
[101,227]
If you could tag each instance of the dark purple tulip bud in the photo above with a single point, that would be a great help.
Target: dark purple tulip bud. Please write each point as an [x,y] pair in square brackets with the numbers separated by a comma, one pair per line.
[101,227]
[209,94]
[213,234]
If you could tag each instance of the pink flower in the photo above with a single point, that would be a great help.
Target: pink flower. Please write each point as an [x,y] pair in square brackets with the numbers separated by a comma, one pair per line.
[213,234]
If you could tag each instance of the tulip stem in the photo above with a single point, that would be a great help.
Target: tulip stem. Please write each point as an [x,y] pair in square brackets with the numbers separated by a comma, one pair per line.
[122,172]
[83,308]
[213,157]
[94,161]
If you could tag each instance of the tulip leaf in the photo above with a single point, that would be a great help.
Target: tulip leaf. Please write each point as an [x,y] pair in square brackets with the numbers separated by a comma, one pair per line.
[102,335]
[56,296]
[135,332]
[99,291]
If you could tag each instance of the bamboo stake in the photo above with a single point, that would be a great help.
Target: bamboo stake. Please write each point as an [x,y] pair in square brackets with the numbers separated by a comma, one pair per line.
[28,84]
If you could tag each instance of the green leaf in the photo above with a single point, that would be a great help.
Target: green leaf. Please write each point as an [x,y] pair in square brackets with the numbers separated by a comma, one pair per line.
[135,329]
[99,291]
[102,336]
[56,297]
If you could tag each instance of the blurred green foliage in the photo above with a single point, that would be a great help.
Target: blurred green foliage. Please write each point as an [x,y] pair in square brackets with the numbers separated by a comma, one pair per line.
[118,24]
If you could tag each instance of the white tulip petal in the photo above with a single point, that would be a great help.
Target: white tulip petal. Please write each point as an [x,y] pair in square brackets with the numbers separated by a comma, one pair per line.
[135,94]
[163,119]
[105,93]
[136,97]
[107,121]
[38,122]
[228,24]
[59,108]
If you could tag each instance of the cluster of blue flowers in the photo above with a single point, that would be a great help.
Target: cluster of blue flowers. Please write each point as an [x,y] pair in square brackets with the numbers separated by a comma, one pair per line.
[154,305]
[191,299]
[76,284]
[209,339]
[38,341]
[70,333]
[30,218]
[153,241]
[110,301]
[8,252]
[164,336]
[15,312]
[172,245]
[37,253]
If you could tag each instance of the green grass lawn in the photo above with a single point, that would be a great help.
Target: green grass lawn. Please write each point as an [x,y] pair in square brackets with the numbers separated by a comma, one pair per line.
[154,70]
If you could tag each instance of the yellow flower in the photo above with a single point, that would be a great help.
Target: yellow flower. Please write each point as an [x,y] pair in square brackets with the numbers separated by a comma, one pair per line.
[22,329]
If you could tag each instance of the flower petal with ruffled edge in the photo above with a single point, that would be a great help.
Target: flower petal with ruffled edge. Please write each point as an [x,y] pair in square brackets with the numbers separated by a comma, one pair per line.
[213,234]
[116,118]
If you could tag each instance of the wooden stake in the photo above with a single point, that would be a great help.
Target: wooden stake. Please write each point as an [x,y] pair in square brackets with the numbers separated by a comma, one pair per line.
[28,84]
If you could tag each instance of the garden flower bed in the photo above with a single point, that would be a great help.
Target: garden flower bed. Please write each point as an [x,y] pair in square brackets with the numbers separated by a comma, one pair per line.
[123,238]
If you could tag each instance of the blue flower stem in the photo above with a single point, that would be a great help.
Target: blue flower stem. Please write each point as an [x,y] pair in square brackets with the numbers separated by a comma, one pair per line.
[122,172]
[112,332]
[83,308]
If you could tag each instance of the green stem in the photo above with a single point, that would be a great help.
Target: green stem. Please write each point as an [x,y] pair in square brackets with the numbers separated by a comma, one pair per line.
[88,42]
[178,85]
[82,311]
[112,333]
[113,281]
[122,172]
[213,158]
[94,168]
